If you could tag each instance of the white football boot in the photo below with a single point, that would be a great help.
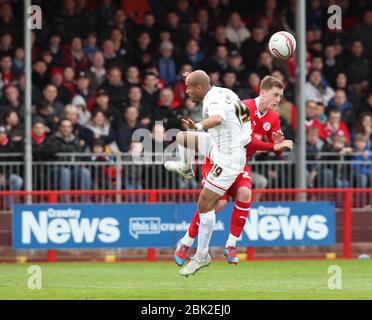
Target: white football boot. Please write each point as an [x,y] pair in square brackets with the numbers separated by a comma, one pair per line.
[180,168]
[194,265]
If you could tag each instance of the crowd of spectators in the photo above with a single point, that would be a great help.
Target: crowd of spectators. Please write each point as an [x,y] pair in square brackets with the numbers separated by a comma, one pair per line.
[102,69]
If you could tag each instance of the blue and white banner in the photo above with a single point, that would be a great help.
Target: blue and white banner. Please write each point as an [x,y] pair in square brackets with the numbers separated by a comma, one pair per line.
[162,225]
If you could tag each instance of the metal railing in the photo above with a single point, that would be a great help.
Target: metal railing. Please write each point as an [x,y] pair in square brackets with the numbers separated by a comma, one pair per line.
[121,171]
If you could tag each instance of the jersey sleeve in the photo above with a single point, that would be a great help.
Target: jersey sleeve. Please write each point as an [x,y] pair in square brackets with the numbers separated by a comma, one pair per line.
[258,145]
[275,127]
[215,107]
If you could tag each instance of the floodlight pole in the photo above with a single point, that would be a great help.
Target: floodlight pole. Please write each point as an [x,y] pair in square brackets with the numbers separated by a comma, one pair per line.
[27,99]
[300,148]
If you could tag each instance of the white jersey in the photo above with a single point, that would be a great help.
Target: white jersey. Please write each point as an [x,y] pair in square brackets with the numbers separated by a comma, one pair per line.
[230,137]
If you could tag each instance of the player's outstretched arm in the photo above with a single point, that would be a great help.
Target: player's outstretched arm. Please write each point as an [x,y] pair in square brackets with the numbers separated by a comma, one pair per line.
[211,122]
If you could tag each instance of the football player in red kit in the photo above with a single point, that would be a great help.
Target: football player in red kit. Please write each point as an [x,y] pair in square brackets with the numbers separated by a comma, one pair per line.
[265,124]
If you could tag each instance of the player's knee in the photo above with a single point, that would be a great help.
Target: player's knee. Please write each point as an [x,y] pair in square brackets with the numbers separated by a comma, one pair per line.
[203,204]
[244,194]
[181,138]
[220,205]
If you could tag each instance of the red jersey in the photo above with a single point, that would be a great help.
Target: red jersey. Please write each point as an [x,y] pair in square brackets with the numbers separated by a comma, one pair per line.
[263,125]
[341,131]
[316,123]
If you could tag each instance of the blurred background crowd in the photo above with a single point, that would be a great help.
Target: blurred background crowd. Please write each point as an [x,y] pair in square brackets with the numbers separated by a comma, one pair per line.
[102,69]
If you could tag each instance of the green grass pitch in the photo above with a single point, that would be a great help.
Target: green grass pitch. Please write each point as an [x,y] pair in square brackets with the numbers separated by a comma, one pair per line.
[160,280]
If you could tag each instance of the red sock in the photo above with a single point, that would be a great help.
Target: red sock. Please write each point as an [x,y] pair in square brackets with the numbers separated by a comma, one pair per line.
[239,217]
[194,225]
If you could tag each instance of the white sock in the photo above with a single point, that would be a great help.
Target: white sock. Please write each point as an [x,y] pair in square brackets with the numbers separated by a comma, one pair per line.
[186,155]
[187,240]
[231,241]
[207,221]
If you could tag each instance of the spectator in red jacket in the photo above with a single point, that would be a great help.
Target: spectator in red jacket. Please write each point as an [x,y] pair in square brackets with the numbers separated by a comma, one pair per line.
[334,126]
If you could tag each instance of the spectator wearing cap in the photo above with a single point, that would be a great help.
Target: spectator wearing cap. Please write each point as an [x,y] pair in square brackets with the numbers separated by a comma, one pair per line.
[50,94]
[8,179]
[253,46]
[315,90]
[97,72]
[103,104]
[347,109]
[115,87]
[236,31]
[83,112]
[84,89]
[64,141]
[100,127]
[75,56]
[193,55]
[56,78]
[124,130]
[167,63]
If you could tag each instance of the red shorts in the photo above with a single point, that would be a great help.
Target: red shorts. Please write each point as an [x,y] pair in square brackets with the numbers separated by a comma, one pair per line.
[243,180]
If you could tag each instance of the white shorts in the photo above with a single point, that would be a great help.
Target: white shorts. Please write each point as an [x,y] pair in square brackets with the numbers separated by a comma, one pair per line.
[222,176]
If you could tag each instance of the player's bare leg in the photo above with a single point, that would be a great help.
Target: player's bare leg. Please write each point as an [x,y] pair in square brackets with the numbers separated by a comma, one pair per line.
[187,143]
[184,245]
[238,219]
[206,203]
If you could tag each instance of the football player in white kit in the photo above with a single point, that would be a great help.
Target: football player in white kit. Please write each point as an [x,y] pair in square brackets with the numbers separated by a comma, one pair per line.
[229,130]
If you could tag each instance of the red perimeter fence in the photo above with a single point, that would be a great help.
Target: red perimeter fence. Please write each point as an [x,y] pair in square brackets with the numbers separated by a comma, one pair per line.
[352,206]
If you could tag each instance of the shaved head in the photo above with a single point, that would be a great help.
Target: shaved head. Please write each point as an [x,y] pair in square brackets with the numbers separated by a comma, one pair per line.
[198,77]
[198,84]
